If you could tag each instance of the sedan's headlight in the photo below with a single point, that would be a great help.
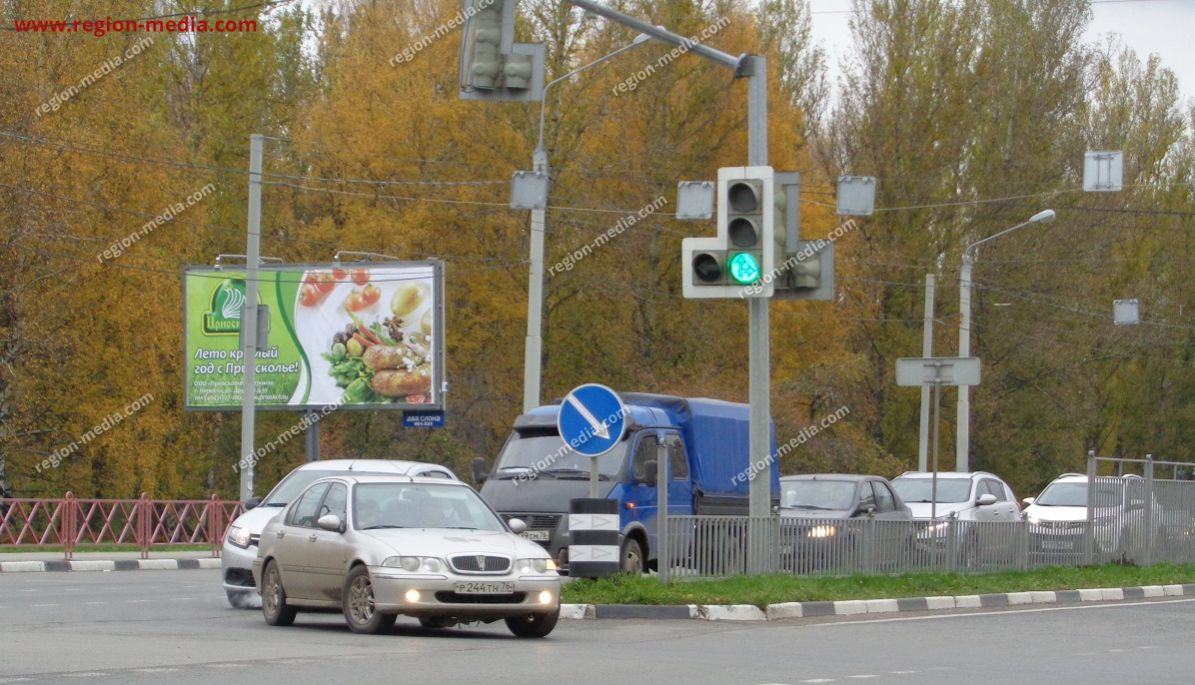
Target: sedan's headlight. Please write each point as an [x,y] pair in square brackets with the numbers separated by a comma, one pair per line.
[238,536]
[415,564]
[531,566]
[822,532]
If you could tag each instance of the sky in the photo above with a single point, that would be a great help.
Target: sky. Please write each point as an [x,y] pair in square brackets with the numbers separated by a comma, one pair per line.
[1165,27]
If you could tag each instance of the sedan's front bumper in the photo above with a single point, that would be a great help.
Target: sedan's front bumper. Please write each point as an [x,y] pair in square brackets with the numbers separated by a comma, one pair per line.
[437,595]
[236,567]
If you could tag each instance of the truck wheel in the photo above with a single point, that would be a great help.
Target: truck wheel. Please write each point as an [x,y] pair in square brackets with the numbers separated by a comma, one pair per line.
[273,598]
[533,625]
[632,557]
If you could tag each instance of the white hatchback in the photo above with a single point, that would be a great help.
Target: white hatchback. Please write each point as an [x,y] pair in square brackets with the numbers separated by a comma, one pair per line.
[240,545]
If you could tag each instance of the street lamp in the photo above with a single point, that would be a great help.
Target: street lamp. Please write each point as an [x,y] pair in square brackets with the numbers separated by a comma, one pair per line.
[533,354]
[962,446]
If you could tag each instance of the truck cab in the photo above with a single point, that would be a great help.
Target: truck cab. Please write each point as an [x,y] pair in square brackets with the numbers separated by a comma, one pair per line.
[536,475]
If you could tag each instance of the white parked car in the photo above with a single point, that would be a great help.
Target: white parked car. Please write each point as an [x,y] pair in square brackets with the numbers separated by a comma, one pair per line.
[375,547]
[240,545]
[968,506]
[1058,516]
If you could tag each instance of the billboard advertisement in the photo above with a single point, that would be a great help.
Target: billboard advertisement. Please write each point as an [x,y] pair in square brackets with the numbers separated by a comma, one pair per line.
[366,335]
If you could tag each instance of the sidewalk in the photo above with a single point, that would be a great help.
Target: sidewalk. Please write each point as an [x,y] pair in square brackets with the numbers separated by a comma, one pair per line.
[790,610]
[37,562]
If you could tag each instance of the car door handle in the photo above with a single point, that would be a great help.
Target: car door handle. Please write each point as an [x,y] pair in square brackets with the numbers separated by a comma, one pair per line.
[313,537]
[281,534]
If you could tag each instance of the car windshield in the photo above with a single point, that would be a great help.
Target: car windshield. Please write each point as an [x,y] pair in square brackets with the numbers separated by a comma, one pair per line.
[920,490]
[1074,494]
[291,486]
[421,505]
[547,455]
[817,494]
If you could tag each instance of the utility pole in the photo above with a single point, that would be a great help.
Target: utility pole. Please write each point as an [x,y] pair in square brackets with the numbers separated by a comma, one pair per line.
[927,350]
[249,316]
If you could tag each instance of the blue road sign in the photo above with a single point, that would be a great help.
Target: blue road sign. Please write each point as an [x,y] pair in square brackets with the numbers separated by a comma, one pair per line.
[591,419]
[423,419]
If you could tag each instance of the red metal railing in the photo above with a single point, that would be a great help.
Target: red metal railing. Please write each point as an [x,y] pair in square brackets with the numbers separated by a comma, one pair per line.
[70,522]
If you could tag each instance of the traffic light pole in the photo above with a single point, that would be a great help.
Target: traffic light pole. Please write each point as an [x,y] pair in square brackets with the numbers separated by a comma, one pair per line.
[755,69]
[759,321]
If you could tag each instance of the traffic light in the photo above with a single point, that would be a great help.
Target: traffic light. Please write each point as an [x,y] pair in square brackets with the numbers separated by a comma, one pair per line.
[493,66]
[738,263]
[804,268]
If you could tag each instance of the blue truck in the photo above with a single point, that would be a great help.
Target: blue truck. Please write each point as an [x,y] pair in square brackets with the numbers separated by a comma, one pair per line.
[536,475]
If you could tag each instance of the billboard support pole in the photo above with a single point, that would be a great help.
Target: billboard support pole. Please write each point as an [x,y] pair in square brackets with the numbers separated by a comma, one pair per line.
[249,316]
[311,433]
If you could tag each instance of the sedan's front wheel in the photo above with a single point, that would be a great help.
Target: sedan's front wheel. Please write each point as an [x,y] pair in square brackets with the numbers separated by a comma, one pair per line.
[533,625]
[360,611]
[273,598]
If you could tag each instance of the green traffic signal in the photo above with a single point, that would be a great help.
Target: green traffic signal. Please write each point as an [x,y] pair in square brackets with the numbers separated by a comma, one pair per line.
[744,268]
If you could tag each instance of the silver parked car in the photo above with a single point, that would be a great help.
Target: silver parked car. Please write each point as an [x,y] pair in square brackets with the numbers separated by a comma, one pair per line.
[240,545]
[375,547]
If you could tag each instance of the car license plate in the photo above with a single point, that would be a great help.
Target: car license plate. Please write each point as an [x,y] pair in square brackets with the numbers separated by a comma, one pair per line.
[1058,545]
[475,587]
[538,535]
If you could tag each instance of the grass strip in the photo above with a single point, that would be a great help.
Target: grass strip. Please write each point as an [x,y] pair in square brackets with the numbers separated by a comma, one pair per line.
[771,589]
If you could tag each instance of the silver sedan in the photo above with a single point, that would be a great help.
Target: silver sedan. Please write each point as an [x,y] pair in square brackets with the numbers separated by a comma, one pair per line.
[375,547]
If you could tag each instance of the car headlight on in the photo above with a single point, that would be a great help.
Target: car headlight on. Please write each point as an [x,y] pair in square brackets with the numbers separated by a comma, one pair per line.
[415,564]
[821,532]
[532,566]
[238,536]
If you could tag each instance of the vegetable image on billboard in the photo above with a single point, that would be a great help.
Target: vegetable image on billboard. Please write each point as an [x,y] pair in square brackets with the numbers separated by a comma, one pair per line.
[361,336]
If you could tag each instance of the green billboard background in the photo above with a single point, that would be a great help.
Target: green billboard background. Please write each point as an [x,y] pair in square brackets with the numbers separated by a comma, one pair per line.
[323,321]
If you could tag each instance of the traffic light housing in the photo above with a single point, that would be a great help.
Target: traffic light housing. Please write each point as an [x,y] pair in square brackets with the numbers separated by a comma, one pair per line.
[493,66]
[739,262]
[804,268]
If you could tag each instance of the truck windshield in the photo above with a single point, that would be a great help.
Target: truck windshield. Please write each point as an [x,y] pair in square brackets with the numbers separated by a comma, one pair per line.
[548,456]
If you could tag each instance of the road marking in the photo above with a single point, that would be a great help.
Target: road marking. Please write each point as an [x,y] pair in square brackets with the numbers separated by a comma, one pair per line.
[225,665]
[181,599]
[903,672]
[819,680]
[161,669]
[1141,647]
[138,601]
[17,679]
[863,676]
[1116,605]
[94,603]
[45,605]
[86,674]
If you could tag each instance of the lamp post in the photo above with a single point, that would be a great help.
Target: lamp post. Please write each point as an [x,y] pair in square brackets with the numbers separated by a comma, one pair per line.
[963,439]
[533,354]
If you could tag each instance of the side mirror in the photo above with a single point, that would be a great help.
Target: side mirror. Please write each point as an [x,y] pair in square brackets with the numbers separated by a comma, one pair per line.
[252,503]
[479,471]
[1029,500]
[517,526]
[648,476]
[331,523]
[986,499]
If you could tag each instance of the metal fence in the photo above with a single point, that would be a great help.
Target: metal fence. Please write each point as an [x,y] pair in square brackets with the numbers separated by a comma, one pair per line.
[1131,519]
[71,522]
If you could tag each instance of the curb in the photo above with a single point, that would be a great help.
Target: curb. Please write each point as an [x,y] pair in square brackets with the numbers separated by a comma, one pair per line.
[107,565]
[856,607]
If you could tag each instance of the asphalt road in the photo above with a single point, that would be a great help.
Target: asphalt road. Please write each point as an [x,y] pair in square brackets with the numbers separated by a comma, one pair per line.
[175,627]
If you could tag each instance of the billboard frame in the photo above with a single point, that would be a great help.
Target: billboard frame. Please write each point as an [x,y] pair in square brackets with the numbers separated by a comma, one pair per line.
[439,369]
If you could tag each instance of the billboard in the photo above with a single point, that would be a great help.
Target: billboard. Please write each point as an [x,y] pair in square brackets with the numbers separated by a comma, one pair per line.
[367,335]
